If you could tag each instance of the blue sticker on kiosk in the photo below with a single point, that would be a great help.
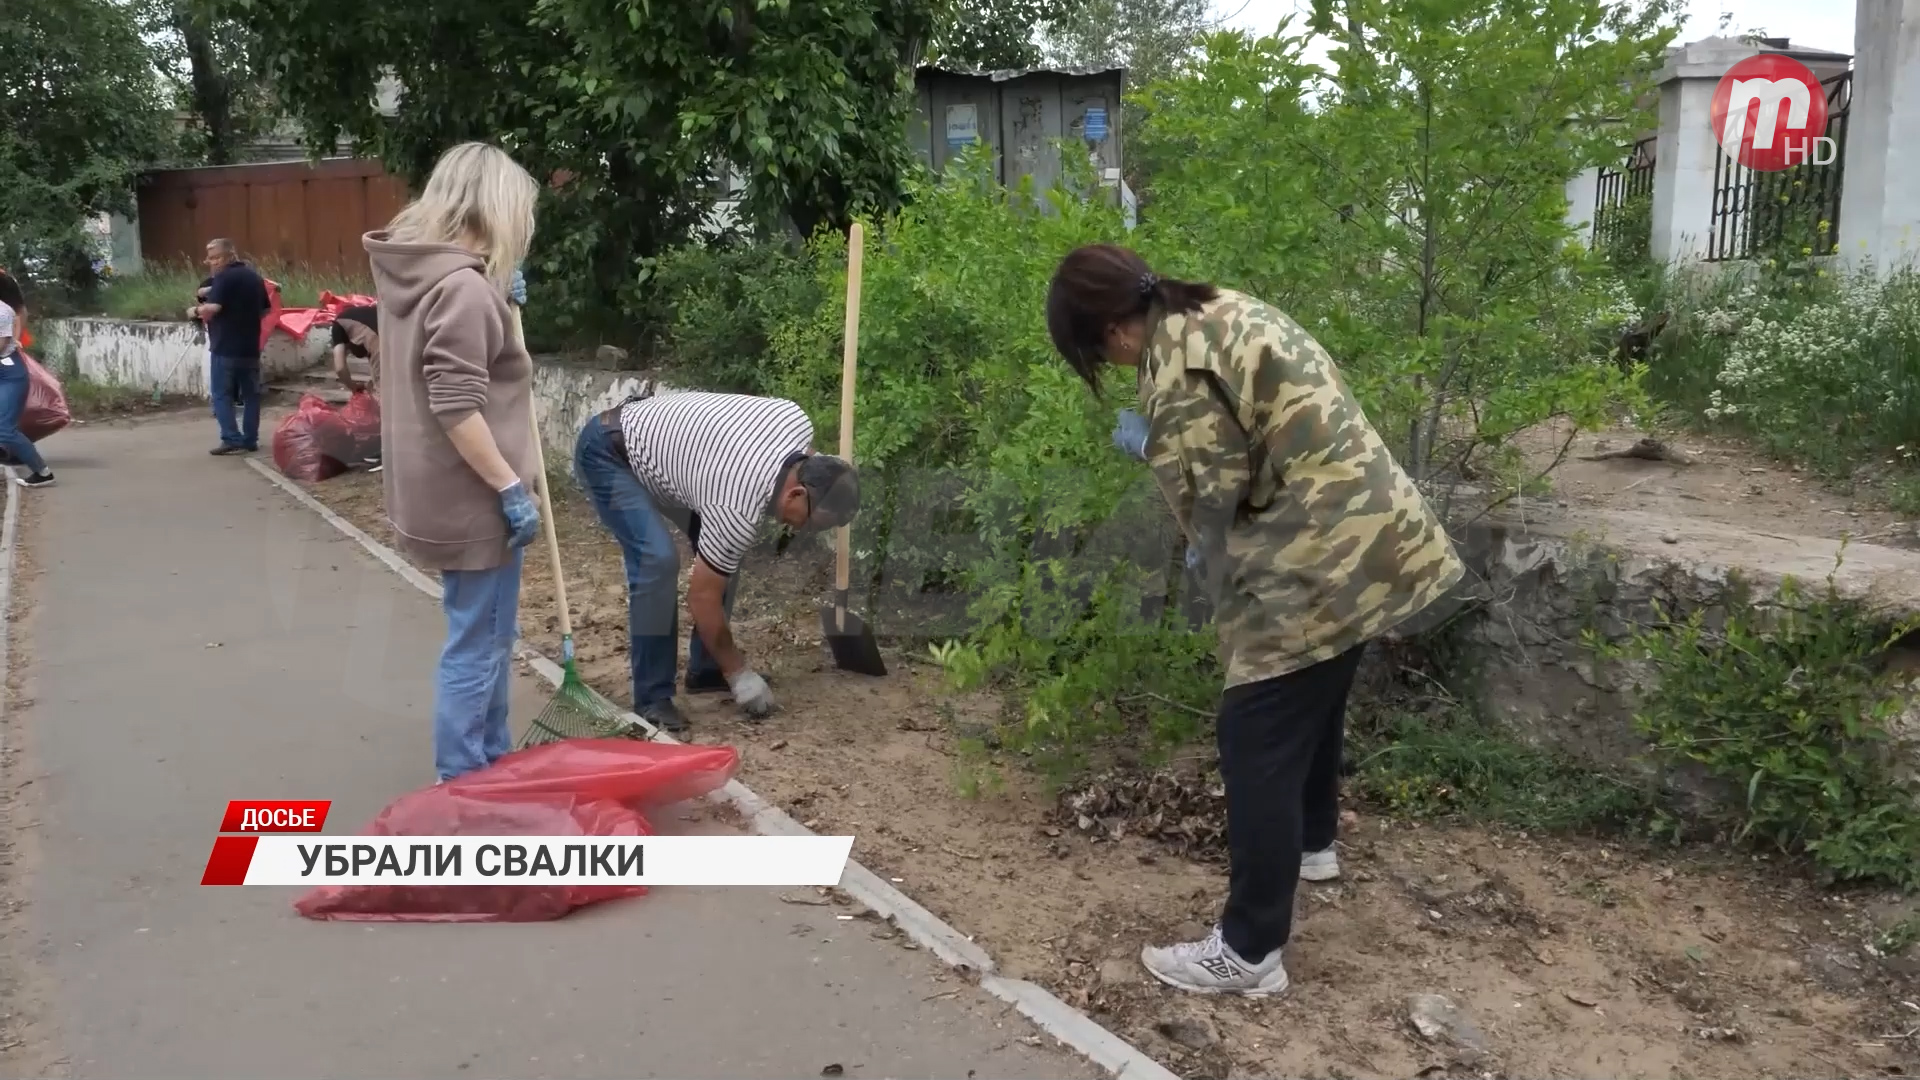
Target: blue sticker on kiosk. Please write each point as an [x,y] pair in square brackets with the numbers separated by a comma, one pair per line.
[1096,124]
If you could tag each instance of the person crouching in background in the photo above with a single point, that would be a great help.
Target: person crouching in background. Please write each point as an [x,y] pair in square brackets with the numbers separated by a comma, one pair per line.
[356,333]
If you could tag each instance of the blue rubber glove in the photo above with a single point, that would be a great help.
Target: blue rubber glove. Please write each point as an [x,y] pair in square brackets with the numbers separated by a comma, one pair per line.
[518,288]
[1130,434]
[523,515]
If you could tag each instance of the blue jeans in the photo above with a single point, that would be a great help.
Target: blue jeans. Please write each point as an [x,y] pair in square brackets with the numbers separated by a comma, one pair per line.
[476,667]
[14,385]
[653,569]
[236,380]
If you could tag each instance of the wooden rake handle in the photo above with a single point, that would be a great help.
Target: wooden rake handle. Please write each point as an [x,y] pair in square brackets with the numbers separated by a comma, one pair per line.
[843,556]
[546,498]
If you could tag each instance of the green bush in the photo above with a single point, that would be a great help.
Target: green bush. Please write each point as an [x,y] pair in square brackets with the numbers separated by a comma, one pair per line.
[991,466]
[1455,764]
[1431,258]
[1787,703]
[1460,320]
[728,302]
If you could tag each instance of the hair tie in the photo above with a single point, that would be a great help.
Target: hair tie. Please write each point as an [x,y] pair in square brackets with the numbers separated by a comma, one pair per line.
[1147,281]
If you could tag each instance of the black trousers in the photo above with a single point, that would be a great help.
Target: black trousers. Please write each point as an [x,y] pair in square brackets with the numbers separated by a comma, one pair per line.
[1280,741]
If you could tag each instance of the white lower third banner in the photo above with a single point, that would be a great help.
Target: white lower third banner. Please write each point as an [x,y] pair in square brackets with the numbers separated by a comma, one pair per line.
[529,860]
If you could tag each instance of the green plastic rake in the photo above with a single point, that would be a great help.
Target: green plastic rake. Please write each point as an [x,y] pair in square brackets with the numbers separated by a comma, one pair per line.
[577,711]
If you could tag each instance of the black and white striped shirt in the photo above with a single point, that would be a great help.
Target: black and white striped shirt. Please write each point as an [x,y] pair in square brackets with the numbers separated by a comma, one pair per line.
[718,455]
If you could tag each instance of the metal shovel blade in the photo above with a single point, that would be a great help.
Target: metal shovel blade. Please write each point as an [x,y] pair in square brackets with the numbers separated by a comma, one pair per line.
[851,641]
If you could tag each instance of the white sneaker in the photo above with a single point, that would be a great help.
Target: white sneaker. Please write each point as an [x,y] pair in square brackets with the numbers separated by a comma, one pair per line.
[1211,967]
[1319,866]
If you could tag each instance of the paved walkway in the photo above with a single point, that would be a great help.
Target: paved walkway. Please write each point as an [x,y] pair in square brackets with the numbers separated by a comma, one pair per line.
[197,636]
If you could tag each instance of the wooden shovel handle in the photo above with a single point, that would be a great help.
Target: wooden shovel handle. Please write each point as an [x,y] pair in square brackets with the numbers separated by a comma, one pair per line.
[546,497]
[856,250]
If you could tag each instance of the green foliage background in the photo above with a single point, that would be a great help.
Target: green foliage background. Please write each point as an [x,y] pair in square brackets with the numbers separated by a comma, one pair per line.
[1407,205]
[81,113]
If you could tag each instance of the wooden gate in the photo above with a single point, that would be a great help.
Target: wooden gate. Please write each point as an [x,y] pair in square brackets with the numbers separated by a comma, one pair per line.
[309,214]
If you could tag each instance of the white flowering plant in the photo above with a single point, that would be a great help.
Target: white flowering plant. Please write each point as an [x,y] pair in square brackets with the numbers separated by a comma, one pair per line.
[1823,365]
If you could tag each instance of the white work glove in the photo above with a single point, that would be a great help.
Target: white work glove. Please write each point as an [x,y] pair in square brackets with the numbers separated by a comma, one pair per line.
[750,693]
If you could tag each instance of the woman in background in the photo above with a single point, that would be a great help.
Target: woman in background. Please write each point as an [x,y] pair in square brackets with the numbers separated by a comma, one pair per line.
[14,297]
[1310,538]
[456,427]
[15,384]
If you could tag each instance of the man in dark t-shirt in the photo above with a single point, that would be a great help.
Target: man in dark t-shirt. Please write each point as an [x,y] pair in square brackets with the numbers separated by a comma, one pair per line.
[232,304]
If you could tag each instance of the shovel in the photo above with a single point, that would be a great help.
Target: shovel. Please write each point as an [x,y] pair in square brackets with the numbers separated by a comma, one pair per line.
[850,639]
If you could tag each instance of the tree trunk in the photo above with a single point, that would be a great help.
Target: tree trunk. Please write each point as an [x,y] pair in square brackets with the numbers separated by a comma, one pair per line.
[212,90]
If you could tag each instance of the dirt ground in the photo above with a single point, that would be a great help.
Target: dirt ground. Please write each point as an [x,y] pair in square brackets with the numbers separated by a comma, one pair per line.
[1568,958]
[26,1042]
[1720,481]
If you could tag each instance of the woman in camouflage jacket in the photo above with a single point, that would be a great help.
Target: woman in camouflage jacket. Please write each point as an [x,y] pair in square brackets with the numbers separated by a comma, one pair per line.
[1312,542]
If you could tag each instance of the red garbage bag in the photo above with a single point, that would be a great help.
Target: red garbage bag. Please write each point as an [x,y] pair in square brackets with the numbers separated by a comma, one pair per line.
[46,410]
[312,442]
[362,419]
[626,771]
[580,787]
[333,304]
[440,811]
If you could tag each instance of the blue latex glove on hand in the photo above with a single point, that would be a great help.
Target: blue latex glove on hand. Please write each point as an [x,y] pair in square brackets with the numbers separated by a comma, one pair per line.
[523,515]
[1130,434]
[518,288]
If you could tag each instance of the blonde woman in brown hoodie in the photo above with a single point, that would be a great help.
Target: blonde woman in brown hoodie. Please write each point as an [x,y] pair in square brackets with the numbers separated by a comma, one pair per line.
[455,424]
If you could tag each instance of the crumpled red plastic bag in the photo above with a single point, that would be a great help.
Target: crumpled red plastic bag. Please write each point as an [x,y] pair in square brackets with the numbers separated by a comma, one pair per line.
[333,304]
[625,771]
[437,811]
[271,319]
[580,787]
[296,322]
[361,415]
[46,410]
[312,443]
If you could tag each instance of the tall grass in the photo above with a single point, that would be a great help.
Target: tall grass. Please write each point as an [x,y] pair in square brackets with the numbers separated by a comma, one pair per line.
[1818,365]
[162,292]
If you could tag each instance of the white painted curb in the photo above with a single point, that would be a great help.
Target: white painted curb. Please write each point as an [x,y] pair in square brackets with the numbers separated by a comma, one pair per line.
[1064,1022]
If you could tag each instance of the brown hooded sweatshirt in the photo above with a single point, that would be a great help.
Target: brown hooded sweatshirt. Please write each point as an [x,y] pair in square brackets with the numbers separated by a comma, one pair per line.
[447,351]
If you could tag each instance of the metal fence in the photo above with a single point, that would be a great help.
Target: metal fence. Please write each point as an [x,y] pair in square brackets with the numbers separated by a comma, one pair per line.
[1623,207]
[1799,207]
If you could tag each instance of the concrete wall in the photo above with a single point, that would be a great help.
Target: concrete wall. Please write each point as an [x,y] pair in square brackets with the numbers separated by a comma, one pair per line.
[1583,192]
[565,397]
[170,356]
[1880,214]
[1547,585]
[1685,151]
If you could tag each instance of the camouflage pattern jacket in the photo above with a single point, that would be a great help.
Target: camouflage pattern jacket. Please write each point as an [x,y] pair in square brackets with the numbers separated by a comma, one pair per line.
[1312,538]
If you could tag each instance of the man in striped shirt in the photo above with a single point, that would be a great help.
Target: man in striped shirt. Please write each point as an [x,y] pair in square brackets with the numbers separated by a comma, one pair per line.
[716,465]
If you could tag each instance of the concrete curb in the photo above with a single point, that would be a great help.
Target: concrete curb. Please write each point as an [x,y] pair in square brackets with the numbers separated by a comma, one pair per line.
[1064,1022]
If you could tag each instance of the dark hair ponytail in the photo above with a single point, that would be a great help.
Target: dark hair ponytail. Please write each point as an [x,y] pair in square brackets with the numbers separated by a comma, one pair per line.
[10,293]
[1101,285]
